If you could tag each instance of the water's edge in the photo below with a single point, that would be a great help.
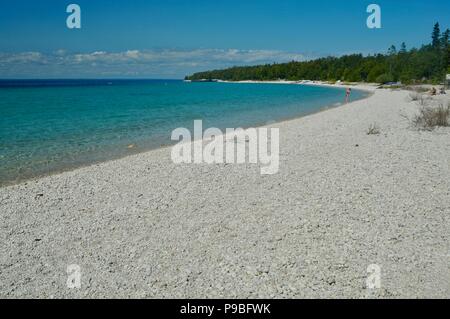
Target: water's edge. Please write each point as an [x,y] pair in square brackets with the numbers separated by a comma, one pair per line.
[139,150]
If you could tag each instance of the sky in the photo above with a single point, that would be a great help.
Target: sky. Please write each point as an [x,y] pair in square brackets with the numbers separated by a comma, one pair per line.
[173,38]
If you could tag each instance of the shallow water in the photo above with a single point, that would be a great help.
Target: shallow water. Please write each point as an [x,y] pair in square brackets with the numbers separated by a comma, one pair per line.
[48,126]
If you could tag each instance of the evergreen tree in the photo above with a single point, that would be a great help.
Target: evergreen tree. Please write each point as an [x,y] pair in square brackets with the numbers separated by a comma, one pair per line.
[436,40]
[403,48]
[392,50]
[445,38]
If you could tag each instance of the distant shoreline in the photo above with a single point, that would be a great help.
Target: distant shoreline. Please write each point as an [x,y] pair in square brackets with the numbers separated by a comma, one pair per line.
[368,87]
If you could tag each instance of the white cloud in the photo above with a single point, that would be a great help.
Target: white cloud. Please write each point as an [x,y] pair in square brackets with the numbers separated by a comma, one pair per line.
[147,63]
[23,57]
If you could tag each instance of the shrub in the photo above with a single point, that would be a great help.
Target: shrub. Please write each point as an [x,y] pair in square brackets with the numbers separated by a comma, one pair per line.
[432,117]
[415,96]
[373,129]
[417,89]
[385,78]
[423,101]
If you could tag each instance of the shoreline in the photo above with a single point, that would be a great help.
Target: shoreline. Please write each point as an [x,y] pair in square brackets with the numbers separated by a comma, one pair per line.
[367,87]
[145,150]
[143,227]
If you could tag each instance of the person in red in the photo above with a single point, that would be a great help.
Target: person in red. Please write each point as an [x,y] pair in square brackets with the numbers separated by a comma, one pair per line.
[347,95]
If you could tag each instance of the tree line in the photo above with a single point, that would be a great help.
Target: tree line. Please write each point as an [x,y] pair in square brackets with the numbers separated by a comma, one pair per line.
[428,64]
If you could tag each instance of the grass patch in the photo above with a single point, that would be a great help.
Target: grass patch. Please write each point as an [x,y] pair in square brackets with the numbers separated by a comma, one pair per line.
[373,129]
[432,117]
[415,96]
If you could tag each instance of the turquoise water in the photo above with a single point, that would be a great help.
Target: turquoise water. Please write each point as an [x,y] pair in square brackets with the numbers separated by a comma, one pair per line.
[48,126]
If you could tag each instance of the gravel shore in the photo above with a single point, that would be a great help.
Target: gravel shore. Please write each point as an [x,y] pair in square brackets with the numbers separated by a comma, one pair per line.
[144,227]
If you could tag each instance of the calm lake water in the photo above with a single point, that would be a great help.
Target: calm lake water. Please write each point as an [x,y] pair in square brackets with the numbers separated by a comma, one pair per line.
[53,125]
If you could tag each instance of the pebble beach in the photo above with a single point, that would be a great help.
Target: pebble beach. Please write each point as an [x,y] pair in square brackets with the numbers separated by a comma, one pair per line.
[144,227]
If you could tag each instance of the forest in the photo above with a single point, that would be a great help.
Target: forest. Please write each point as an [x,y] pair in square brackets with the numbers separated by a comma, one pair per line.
[427,64]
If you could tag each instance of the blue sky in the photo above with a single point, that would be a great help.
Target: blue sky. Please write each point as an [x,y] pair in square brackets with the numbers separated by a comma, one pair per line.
[171,38]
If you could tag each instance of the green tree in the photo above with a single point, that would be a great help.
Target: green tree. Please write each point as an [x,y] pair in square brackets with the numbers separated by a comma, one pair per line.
[445,38]
[435,36]
[392,50]
[403,48]
[385,78]
[445,42]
